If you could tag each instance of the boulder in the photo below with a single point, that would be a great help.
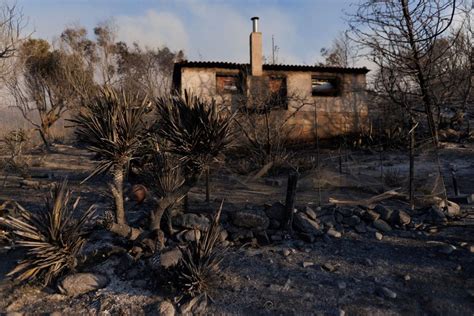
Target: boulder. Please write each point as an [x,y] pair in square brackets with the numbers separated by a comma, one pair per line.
[277,211]
[306,225]
[191,221]
[252,219]
[382,225]
[351,220]
[384,211]
[81,283]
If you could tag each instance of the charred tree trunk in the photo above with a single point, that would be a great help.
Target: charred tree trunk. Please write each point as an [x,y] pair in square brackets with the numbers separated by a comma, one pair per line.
[117,192]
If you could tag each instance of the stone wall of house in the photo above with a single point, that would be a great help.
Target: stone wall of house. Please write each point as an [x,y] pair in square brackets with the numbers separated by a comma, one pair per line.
[308,115]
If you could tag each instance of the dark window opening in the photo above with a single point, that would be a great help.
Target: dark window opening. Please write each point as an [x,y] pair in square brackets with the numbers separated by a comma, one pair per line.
[278,92]
[322,86]
[228,83]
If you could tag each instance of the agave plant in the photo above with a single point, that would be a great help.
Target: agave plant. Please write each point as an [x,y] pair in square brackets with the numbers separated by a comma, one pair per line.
[198,269]
[52,236]
[112,127]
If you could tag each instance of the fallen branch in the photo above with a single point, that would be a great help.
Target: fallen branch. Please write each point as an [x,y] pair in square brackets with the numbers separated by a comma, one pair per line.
[370,201]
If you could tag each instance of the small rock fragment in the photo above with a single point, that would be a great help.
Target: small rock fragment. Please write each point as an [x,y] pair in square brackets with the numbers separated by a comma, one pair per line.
[378,236]
[328,267]
[333,233]
[386,292]
[307,264]
[341,285]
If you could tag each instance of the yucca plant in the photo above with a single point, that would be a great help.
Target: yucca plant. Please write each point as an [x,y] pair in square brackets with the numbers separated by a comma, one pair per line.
[52,236]
[198,270]
[196,132]
[112,127]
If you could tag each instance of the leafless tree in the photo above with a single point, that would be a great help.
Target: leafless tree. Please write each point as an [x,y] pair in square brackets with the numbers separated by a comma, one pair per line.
[12,22]
[341,53]
[401,36]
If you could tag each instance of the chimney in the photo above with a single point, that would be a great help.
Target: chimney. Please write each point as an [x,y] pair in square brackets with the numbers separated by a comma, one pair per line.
[255,49]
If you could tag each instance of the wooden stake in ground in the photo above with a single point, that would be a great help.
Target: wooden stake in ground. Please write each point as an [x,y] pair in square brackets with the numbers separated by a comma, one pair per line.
[411,187]
[291,197]
[208,189]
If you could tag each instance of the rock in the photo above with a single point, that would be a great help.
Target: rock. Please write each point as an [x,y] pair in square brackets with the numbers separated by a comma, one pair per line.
[378,236]
[436,215]
[252,219]
[341,285]
[191,221]
[286,252]
[345,211]
[386,292]
[328,220]
[371,216]
[307,264]
[170,258]
[360,228]
[333,233]
[453,209]
[192,235]
[166,308]
[351,220]
[382,225]
[328,267]
[339,217]
[311,214]
[407,277]
[80,283]
[385,212]
[470,248]
[277,211]
[306,225]
[401,218]
[223,235]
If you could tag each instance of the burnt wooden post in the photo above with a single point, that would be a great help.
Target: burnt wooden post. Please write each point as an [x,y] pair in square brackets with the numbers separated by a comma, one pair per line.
[455,181]
[411,186]
[291,197]
[208,189]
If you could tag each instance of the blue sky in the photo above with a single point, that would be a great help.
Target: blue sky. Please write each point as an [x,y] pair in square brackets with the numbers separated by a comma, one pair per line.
[205,29]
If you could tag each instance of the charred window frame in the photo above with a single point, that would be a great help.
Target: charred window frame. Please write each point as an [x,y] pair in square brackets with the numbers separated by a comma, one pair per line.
[228,83]
[324,86]
[278,92]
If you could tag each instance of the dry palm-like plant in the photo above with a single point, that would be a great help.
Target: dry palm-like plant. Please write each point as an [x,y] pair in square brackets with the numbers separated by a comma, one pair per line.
[52,236]
[112,127]
[195,130]
[198,269]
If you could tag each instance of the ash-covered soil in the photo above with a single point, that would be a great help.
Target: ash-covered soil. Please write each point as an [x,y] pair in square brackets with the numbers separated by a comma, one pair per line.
[427,270]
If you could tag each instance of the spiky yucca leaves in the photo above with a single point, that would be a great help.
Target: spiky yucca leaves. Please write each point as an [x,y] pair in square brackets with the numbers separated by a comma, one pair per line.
[196,131]
[198,269]
[112,127]
[52,236]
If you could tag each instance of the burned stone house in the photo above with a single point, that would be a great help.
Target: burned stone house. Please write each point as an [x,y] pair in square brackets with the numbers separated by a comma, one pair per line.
[317,101]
